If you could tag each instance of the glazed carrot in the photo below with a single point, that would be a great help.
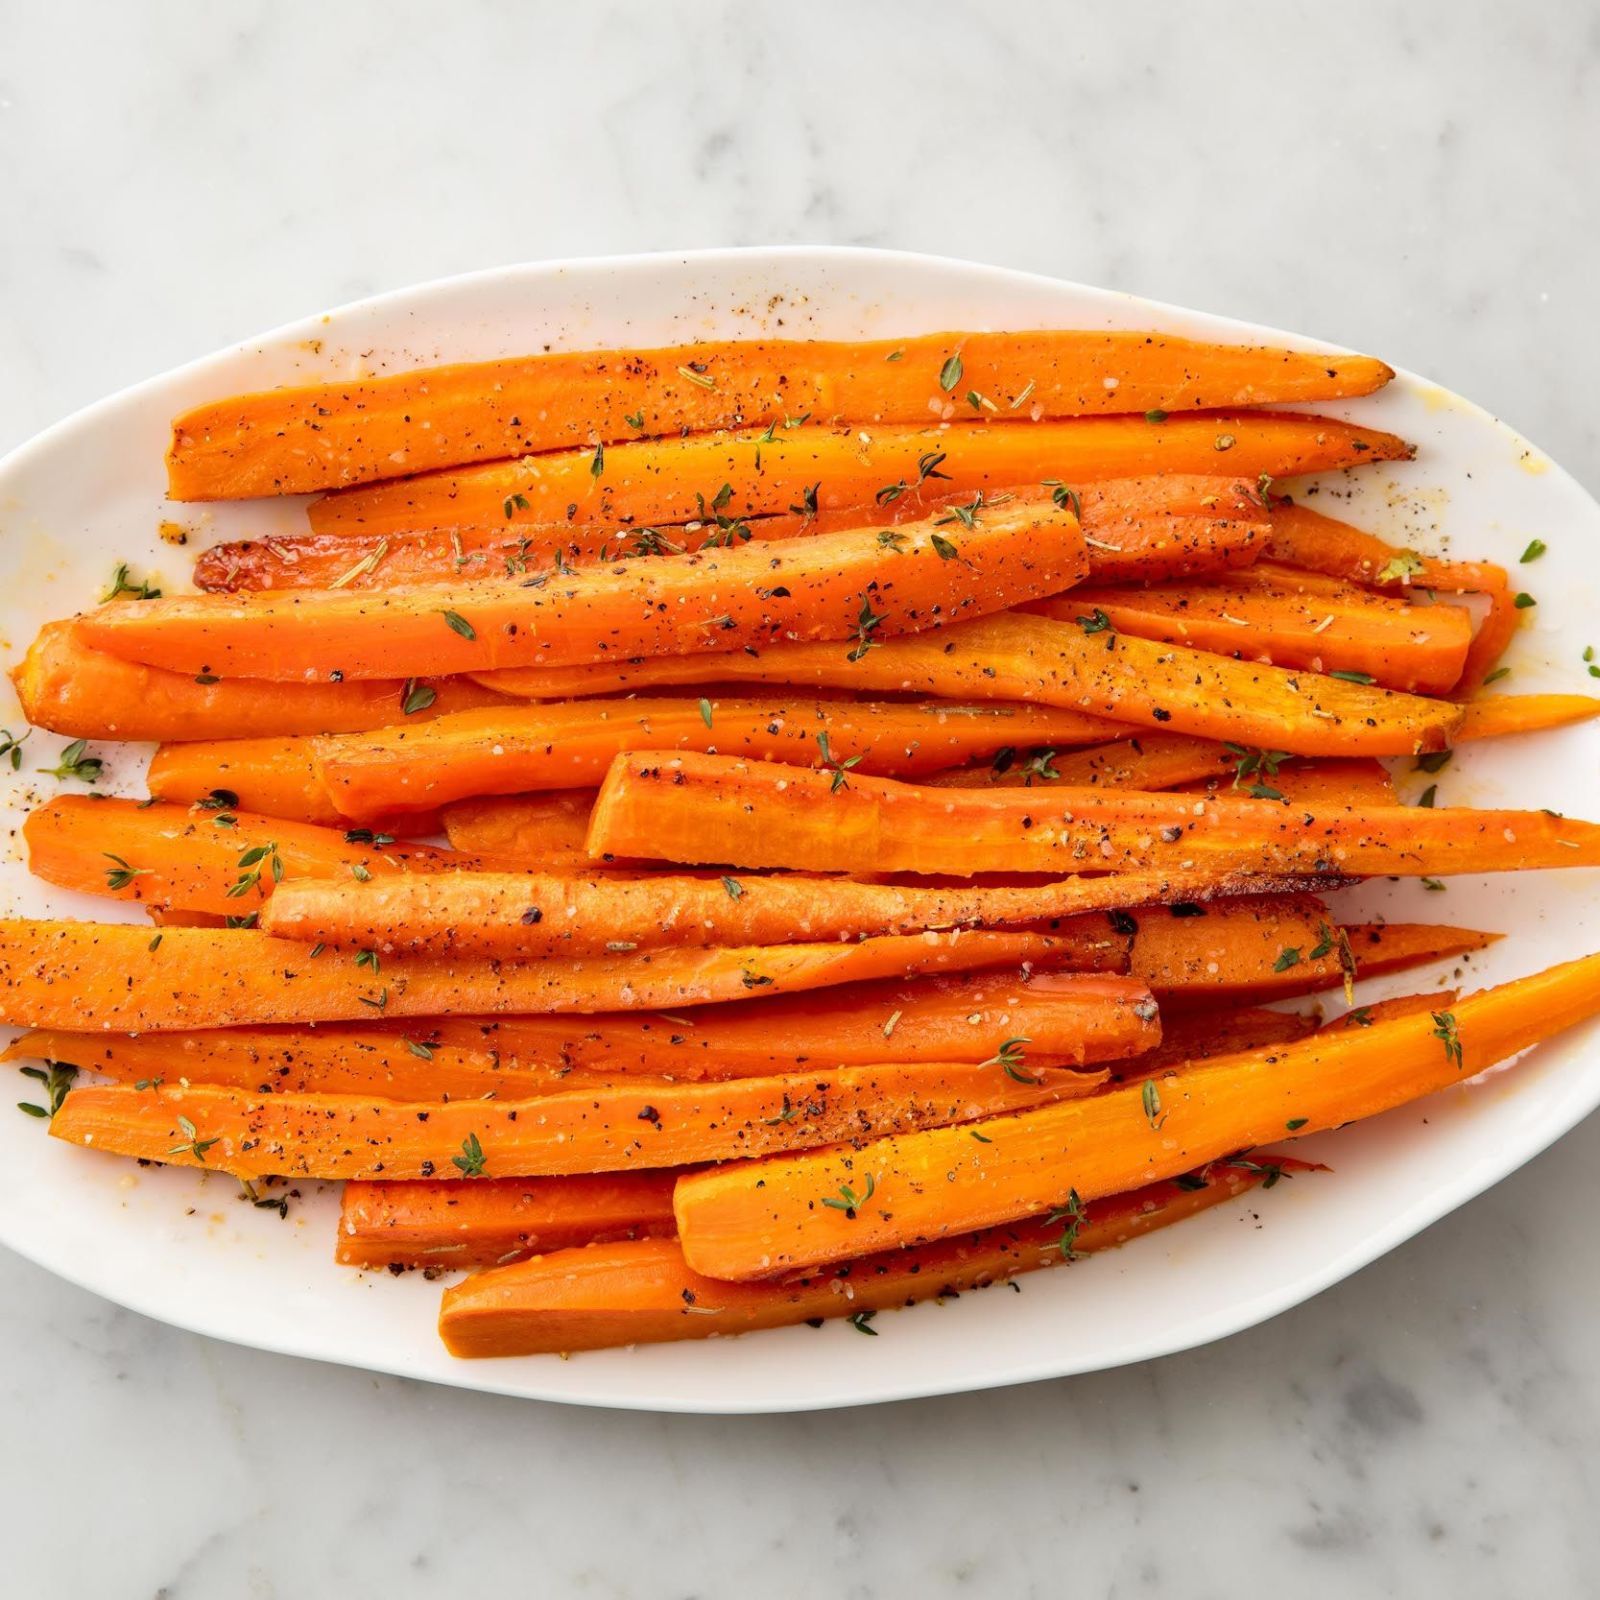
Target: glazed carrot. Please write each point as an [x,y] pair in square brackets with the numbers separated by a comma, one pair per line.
[1358,782]
[838,586]
[1144,761]
[1196,1035]
[545,830]
[1405,1005]
[430,1223]
[755,814]
[392,1063]
[663,481]
[1272,948]
[271,777]
[1496,716]
[1087,667]
[967,1018]
[645,1293]
[762,1219]
[219,860]
[320,436]
[614,1129]
[522,915]
[1288,618]
[86,694]
[508,750]
[90,975]
[1135,529]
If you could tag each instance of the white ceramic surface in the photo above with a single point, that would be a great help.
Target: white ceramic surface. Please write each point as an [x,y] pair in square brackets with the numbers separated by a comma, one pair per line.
[182,1248]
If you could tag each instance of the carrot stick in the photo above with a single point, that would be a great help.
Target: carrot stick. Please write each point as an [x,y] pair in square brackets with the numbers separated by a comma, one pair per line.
[90,975]
[321,436]
[665,481]
[645,1293]
[86,694]
[1277,615]
[1188,1036]
[1143,761]
[447,1226]
[505,751]
[966,1018]
[1405,1005]
[175,858]
[547,830]
[1087,667]
[412,1063]
[271,777]
[1358,782]
[1498,715]
[761,1219]
[520,914]
[623,1127]
[1135,529]
[839,586]
[755,814]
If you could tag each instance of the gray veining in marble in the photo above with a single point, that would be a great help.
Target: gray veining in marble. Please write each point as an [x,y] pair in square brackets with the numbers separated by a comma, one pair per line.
[1419,181]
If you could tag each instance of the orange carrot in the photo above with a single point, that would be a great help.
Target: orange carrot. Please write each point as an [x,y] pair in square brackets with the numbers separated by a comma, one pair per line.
[320,436]
[433,1224]
[1196,1035]
[1144,761]
[614,1129]
[1405,1005]
[1359,782]
[645,1293]
[545,830]
[522,915]
[756,814]
[271,777]
[762,1219]
[219,859]
[1085,666]
[1496,716]
[1288,618]
[86,694]
[839,586]
[505,751]
[666,481]
[90,975]
[1064,1016]
[1135,529]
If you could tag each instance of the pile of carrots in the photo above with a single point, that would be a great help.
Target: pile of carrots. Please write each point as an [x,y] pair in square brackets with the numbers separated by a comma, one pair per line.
[884,786]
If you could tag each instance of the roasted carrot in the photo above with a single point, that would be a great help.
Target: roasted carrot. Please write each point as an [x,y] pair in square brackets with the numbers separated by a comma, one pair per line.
[1357,782]
[520,914]
[763,1219]
[618,1128]
[1288,618]
[1066,1019]
[1405,1005]
[220,859]
[769,471]
[321,436]
[91,975]
[271,777]
[645,1293]
[86,694]
[505,751]
[446,1226]
[1086,666]
[755,814]
[838,586]
[1135,529]
[539,830]
[1497,716]
[1224,1030]
[424,1060]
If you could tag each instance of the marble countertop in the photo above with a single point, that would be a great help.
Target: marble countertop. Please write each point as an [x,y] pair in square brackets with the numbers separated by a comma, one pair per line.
[1417,183]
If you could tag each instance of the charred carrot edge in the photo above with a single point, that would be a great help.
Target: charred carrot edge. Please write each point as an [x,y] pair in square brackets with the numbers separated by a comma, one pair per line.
[615,1128]
[763,1218]
[963,1018]
[826,469]
[520,914]
[445,1226]
[754,814]
[86,694]
[839,586]
[217,859]
[1135,529]
[321,436]
[1285,618]
[645,1293]
[93,975]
